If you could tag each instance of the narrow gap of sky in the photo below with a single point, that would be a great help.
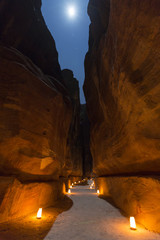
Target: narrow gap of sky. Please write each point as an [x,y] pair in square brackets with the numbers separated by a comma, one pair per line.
[69,33]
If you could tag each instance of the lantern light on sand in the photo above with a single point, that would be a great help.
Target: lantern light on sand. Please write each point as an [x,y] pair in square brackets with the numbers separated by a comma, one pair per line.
[132,223]
[39,213]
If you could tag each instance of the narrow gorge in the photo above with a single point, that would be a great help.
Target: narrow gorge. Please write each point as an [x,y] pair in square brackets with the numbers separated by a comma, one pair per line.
[48,139]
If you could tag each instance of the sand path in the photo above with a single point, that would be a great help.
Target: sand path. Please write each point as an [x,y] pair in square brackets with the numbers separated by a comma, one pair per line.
[92,218]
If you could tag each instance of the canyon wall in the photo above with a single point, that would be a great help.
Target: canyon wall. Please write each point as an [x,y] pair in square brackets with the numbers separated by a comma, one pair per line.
[122,89]
[74,142]
[85,138]
[35,113]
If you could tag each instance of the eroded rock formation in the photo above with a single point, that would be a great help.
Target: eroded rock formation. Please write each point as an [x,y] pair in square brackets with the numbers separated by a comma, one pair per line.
[74,137]
[85,136]
[22,26]
[35,113]
[122,89]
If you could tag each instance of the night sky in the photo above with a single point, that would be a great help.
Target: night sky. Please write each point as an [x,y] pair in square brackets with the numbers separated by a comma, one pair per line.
[70,34]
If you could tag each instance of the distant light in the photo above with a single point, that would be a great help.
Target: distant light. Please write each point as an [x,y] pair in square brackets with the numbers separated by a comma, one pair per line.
[69,191]
[39,213]
[132,223]
[97,191]
[90,187]
[71,11]
[71,186]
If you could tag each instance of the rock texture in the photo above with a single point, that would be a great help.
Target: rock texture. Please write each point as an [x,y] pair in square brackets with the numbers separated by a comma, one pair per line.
[17,199]
[22,26]
[74,154]
[122,86]
[85,136]
[122,89]
[35,114]
[135,196]
[35,119]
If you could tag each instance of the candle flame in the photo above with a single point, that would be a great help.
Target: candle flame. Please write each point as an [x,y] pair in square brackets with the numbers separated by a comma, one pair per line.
[132,223]
[39,213]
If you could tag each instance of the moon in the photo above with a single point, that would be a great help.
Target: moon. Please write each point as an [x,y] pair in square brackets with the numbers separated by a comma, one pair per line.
[71,11]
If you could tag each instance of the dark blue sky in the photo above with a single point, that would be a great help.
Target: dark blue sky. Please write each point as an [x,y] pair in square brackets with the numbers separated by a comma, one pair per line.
[70,34]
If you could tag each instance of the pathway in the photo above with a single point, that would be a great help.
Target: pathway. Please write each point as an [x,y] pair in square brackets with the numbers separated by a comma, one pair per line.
[92,218]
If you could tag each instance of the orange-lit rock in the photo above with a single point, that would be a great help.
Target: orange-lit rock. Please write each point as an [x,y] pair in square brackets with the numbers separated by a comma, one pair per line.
[17,199]
[35,119]
[135,196]
[122,86]
[122,89]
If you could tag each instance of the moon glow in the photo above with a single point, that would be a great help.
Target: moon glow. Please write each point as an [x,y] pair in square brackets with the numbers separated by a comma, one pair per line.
[71,11]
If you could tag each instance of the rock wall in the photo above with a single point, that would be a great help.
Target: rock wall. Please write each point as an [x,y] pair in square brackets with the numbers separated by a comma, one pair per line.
[122,88]
[85,136]
[35,118]
[22,26]
[135,196]
[35,113]
[74,138]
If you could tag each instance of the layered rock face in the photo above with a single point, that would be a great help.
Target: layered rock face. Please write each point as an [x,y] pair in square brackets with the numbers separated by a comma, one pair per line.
[122,87]
[22,26]
[85,136]
[35,113]
[35,118]
[33,131]
[74,139]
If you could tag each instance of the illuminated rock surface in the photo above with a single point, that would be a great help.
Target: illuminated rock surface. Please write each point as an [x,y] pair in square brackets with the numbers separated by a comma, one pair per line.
[33,110]
[122,89]
[35,113]
[135,196]
[91,218]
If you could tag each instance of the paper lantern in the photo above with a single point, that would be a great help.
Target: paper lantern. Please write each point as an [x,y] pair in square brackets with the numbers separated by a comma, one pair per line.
[132,223]
[39,213]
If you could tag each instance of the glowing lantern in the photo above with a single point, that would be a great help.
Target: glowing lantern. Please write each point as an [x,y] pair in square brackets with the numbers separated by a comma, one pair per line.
[132,223]
[74,182]
[69,191]
[71,186]
[90,187]
[97,191]
[39,213]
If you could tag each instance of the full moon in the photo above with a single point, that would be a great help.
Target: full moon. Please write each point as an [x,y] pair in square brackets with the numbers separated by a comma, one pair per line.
[71,11]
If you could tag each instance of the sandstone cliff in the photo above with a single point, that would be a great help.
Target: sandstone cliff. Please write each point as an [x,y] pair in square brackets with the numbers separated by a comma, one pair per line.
[75,146]
[122,89]
[85,136]
[22,26]
[35,113]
